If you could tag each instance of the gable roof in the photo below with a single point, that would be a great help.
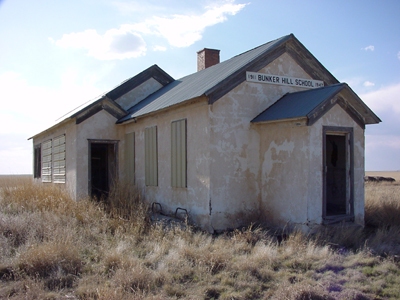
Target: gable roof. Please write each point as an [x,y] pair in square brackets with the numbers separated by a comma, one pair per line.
[313,104]
[217,80]
[152,72]
[107,100]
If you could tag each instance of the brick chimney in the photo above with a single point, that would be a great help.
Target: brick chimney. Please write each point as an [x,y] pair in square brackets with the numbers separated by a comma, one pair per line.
[207,58]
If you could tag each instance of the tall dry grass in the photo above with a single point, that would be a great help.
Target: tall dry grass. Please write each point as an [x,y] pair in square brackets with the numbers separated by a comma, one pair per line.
[55,248]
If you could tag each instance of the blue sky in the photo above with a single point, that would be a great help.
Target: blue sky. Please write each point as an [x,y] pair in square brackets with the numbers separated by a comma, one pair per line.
[56,55]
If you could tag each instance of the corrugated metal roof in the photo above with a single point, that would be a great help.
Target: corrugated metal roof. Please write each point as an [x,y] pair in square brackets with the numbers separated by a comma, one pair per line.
[298,104]
[199,83]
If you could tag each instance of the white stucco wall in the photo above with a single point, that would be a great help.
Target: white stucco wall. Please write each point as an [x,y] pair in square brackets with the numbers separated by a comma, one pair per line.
[292,170]
[338,117]
[194,198]
[235,146]
[69,129]
[101,126]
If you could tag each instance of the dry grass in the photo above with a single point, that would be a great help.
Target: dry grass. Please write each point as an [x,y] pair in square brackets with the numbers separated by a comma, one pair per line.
[55,248]
[14,180]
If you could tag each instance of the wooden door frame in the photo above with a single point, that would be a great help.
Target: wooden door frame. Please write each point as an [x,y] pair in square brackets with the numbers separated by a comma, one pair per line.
[348,133]
[97,141]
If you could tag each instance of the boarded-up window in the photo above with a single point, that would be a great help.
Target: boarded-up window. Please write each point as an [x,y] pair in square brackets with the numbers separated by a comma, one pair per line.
[130,157]
[150,148]
[37,161]
[59,159]
[46,161]
[178,153]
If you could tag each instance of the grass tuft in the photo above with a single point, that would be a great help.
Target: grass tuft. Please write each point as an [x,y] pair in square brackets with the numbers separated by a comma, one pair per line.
[50,258]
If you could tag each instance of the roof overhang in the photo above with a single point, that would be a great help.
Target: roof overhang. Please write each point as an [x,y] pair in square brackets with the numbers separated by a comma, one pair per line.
[313,104]
[103,103]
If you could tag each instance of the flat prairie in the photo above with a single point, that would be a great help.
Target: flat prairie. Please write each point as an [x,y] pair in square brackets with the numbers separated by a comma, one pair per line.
[15,180]
[393,174]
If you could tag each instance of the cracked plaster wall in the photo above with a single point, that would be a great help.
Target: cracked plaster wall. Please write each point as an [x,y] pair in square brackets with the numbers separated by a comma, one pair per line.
[100,126]
[291,175]
[236,190]
[195,198]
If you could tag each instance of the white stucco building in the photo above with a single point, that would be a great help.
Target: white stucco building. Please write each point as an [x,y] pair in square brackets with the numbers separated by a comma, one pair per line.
[269,135]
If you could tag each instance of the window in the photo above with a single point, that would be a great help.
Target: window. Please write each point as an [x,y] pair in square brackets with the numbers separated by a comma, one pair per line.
[150,148]
[51,157]
[37,161]
[130,157]
[178,153]
[46,161]
[59,159]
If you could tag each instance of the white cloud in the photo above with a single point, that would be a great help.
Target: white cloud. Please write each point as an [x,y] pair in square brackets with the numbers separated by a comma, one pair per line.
[382,152]
[31,108]
[27,109]
[135,7]
[180,30]
[385,99]
[114,44]
[398,55]
[369,48]
[185,30]
[368,83]
[383,140]
[159,48]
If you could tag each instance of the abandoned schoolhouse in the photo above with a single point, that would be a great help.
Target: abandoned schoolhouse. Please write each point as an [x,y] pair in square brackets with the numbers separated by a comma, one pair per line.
[267,136]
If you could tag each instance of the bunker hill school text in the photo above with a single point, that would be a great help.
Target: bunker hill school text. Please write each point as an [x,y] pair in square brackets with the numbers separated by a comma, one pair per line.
[267,136]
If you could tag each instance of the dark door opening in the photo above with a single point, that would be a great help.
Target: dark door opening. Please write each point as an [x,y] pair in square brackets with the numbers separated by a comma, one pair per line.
[336,175]
[102,169]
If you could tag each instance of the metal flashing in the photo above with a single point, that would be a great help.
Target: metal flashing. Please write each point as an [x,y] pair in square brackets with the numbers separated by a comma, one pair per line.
[313,104]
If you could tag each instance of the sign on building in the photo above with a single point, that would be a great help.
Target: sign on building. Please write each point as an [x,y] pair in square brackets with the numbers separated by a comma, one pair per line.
[283,80]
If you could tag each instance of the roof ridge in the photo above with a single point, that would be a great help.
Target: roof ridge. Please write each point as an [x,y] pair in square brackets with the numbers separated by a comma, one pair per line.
[263,45]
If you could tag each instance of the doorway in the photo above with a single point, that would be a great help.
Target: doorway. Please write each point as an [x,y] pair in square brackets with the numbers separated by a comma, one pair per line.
[338,175]
[102,167]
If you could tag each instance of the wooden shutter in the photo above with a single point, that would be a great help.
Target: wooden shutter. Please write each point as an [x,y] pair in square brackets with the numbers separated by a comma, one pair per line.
[151,156]
[130,157]
[46,161]
[59,159]
[178,153]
